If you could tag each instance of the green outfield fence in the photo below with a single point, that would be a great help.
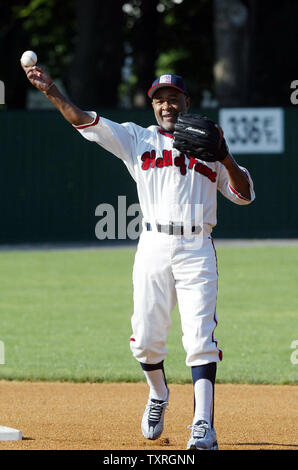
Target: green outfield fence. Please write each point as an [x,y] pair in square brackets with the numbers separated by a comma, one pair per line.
[51,181]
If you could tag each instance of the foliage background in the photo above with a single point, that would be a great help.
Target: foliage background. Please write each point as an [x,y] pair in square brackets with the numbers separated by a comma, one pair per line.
[107,53]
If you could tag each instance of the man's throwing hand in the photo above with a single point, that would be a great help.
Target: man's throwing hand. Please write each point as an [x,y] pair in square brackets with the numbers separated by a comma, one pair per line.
[38,77]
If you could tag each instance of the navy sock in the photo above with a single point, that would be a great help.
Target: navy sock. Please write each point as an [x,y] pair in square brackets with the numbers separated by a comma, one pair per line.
[206,371]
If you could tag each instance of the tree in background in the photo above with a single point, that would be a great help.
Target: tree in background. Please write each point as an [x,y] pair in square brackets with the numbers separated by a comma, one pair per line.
[231,49]
[170,36]
[241,52]
[275,58]
[255,51]
[232,65]
[80,42]
[86,44]
[12,37]
[142,32]
[94,75]
[46,26]
[186,44]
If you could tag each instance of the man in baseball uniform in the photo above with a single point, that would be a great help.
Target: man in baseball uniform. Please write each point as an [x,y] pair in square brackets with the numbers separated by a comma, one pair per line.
[175,260]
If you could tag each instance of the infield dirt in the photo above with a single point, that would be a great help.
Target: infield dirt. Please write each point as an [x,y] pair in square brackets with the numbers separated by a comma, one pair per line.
[81,416]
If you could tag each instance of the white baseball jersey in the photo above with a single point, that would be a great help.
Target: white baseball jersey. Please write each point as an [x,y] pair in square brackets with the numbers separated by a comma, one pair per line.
[169,184]
[169,268]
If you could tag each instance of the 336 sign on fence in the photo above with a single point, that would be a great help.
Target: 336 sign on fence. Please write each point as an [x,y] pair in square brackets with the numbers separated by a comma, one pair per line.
[253,130]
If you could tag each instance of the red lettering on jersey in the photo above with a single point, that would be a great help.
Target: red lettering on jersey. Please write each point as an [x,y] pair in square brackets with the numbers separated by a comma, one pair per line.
[167,156]
[165,160]
[192,162]
[206,171]
[148,159]
[180,162]
[159,162]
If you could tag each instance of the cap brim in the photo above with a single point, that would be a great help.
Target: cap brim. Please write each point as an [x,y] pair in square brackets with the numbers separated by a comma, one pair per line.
[156,87]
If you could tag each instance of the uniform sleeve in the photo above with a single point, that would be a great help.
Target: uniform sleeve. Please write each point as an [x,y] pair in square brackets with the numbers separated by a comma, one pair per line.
[229,192]
[119,139]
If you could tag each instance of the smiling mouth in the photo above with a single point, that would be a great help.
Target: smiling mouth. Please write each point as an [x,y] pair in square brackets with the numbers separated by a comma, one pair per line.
[169,117]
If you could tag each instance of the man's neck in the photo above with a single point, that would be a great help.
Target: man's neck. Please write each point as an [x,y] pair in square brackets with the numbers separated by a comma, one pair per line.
[166,130]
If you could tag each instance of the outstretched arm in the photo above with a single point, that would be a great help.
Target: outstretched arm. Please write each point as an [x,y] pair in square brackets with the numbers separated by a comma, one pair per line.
[43,82]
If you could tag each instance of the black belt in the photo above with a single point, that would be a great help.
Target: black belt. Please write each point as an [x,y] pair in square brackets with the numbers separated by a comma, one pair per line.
[172,229]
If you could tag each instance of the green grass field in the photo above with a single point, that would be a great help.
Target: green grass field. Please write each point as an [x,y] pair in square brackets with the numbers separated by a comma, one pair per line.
[65,315]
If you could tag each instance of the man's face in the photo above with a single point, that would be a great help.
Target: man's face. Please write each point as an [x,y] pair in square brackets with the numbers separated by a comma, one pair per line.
[167,103]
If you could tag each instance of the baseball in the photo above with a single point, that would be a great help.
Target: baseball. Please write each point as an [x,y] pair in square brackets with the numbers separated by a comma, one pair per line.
[29,58]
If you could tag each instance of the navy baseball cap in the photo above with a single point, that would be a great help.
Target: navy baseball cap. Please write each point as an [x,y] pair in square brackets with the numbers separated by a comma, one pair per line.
[168,80]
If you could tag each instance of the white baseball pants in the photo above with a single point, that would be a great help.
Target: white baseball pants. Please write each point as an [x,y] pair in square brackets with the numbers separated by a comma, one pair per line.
[170,269]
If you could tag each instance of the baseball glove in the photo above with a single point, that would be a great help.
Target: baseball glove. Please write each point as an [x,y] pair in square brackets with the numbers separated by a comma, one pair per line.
[199,137]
